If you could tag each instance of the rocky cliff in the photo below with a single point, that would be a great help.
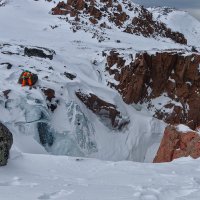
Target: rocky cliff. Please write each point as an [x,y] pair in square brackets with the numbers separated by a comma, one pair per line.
[175,76]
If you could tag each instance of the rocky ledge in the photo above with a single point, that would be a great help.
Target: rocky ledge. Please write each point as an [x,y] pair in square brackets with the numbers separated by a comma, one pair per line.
[178,141]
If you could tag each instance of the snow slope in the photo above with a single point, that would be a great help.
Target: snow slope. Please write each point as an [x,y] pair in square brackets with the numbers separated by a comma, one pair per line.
[45,177]
[181,21]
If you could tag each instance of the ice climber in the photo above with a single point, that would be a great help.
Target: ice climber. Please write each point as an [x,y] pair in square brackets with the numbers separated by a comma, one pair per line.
[27,79]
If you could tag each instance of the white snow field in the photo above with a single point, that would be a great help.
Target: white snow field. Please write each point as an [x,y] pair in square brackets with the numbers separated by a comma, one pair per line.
[33,172]
[45,177]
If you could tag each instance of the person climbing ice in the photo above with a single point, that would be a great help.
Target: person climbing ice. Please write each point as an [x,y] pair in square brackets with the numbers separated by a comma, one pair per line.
[27,78]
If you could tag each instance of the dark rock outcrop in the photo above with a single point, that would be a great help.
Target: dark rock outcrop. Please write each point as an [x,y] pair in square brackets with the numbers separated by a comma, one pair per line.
[69,75]
[107,112]
[6,141]
[39,52]
[6,93]
[149,76]
[50,93]
[176,144]
[50,98]
[113,12]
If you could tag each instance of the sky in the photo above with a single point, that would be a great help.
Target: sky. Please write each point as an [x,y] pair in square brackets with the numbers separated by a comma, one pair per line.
[192,6]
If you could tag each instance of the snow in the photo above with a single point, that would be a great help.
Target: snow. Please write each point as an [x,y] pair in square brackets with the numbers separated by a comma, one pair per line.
[183,128]
[34,173]
[43,177]
[180,21]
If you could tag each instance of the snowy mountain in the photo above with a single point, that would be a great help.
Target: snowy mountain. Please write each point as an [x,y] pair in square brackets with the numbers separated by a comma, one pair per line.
[111,76]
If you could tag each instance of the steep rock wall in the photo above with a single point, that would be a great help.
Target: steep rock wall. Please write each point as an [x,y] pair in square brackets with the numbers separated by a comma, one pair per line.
[175,76]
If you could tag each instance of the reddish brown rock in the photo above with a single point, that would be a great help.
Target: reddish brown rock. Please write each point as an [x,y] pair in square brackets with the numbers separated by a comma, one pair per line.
[107,112]
[49,93]
[150,76]
[50,98]
[144,24]
[61,9]
[176,144]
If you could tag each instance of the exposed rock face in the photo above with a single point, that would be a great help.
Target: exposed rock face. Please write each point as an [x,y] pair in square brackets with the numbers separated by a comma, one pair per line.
[106,13]
[176,144]
[39,52]
[6,141]
[107,112]
[169,74]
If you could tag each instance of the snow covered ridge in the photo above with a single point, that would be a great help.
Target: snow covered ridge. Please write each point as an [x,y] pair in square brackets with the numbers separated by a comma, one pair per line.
[180,21]
[96,16]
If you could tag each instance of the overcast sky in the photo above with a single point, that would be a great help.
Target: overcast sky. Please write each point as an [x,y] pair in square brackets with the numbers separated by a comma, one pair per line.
[193,6]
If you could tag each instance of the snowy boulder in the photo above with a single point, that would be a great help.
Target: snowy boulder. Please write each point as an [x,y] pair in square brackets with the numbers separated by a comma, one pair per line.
[107,112]
[6,141]
[178,141]
[70,75]
[39,52]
